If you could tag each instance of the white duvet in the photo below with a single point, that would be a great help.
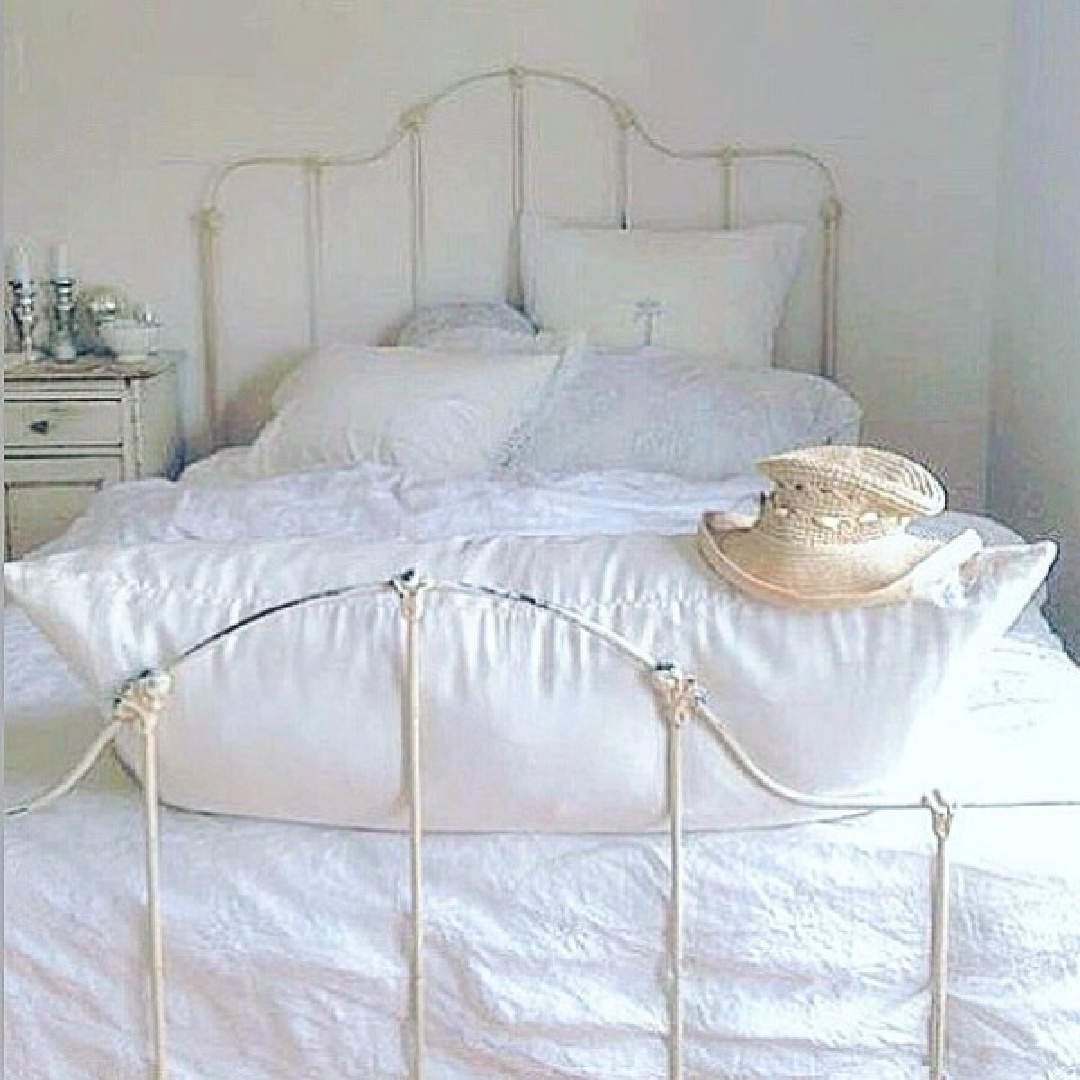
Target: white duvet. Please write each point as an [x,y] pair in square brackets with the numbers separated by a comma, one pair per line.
[286,944]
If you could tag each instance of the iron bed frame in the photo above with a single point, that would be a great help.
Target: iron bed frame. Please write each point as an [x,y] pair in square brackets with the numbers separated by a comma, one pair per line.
[681,700]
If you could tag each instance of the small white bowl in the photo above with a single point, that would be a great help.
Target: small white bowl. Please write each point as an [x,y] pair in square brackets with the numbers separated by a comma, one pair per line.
[129,338]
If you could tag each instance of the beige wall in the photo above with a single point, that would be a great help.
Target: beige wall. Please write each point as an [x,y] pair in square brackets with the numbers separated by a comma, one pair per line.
[116,109]
[1035,446]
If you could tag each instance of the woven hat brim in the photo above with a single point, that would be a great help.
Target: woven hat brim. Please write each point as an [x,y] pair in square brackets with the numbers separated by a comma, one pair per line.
[848,575]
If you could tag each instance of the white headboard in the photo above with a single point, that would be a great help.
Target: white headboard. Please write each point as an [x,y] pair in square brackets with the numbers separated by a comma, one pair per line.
[236,383]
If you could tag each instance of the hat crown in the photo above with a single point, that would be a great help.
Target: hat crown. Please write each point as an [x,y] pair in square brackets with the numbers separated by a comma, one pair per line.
[843,495]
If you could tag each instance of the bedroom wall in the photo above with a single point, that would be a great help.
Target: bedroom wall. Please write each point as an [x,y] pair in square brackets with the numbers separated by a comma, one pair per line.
[1035,443]
[116,109]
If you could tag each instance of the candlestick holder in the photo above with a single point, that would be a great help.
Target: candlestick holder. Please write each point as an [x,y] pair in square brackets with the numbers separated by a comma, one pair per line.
[62,340]
[24,315]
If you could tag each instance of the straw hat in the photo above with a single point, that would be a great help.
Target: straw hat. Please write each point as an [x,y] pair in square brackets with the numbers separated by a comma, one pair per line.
[833,531]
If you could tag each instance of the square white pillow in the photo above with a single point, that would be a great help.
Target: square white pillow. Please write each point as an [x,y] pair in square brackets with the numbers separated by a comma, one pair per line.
[441,413]
[721,293]
[528,723]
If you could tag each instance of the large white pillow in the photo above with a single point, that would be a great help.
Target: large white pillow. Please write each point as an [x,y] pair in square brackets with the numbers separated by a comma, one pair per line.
[718,293]
[654,411]
[441,413]
[527,724]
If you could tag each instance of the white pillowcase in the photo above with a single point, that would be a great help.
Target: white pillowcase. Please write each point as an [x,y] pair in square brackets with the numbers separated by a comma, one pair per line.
[442,413]
[482,325]
[654,411]
[720,293]
[483,339]
[527,724]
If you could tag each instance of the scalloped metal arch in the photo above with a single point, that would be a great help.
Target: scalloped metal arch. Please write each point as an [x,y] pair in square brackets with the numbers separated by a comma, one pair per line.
[408,131]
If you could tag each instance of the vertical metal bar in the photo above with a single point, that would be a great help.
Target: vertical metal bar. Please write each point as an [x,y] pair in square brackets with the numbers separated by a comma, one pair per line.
[942,816]
[416,859]
[622,177]
[678,695]
[314,248]
[516,284]
[730,189]
[830,285]
[625,121]
[675,796]
[410,591]
[209,225]
[155,937]
[418,245]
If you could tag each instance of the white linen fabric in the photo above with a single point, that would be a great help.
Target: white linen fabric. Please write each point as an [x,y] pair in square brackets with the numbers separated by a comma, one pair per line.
[654,410]
[286,954]
[531,725]
[483,339]
[481,324]
[219,500]
[719,293]
[441,413]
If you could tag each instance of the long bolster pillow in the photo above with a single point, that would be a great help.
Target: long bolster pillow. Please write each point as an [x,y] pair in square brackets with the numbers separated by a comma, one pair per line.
[529,722]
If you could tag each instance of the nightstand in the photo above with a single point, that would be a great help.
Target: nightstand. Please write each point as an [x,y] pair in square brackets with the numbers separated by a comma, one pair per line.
[72,428]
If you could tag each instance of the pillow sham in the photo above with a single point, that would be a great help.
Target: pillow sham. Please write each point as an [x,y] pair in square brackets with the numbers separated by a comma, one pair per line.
[528,724]
[655,411]
[480,324]
[719,293]
[442,413]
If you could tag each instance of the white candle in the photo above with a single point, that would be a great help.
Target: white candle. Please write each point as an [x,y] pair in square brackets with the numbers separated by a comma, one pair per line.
[60,268]
[20,264]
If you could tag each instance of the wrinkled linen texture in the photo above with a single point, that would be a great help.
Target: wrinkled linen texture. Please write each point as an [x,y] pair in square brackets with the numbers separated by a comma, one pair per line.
[656,410]
[287,945]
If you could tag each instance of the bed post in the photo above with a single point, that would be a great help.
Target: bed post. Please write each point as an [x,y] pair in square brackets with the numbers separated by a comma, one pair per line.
[410,588]
[140,704]
[942,816]
[679,697]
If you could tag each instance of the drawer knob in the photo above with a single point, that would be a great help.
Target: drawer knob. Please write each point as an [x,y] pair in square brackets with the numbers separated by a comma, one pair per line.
[40,427]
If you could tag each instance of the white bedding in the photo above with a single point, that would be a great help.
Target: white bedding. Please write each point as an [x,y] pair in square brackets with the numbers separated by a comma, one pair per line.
[287,944]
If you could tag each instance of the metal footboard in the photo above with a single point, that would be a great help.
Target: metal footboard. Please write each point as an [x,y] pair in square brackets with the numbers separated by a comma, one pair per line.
[681,701]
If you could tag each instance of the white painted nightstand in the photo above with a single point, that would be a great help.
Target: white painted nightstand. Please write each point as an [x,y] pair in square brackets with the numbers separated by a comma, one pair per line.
[70,429]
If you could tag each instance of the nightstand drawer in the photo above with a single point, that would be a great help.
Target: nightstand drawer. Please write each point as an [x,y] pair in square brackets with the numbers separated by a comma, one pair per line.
[62,423]
[43,496]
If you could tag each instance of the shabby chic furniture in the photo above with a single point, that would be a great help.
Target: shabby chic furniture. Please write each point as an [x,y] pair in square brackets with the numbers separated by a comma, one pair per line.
[71,428]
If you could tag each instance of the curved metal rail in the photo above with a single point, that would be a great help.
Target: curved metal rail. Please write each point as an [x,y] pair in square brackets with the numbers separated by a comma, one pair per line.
[409,131]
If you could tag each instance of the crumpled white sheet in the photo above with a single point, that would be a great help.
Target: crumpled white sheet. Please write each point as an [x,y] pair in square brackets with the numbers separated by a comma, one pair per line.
[217,500]
[287,945]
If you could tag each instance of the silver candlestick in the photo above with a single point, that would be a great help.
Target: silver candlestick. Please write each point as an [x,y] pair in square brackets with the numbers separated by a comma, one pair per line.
[62,341]
[24,315]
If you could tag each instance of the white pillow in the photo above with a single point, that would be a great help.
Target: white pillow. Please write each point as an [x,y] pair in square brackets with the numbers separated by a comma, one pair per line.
[527,724]
[654,411]
[482,339]
[441,413]
[483,325]
[720,293]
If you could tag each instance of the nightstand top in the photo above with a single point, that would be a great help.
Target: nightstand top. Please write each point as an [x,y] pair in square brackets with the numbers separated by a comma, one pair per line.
[16,369]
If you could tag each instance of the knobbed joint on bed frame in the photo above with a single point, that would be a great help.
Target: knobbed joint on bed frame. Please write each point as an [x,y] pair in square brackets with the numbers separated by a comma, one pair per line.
[141,703]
